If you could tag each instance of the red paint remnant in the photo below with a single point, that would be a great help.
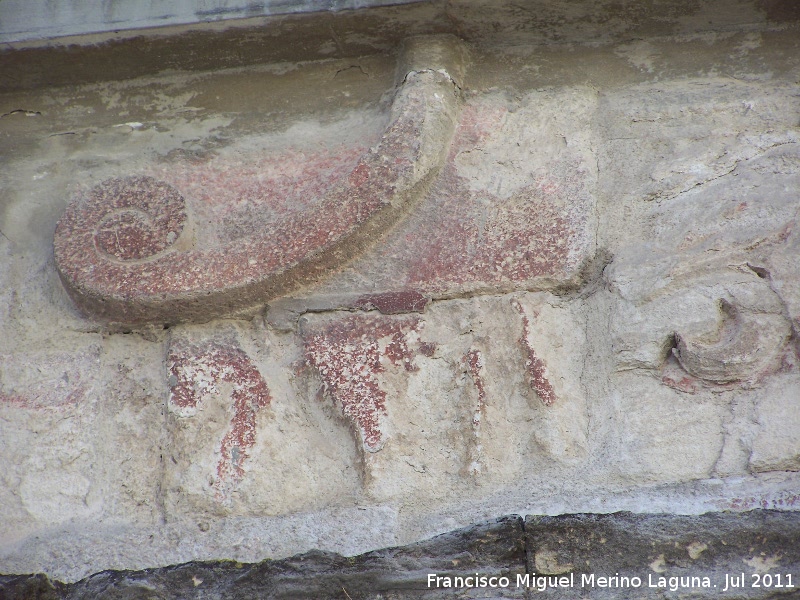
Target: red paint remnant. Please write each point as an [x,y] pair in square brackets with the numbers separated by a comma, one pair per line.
[359,176]
[392,303]
[427,348]
[684,384]
[474,360]
[535,368]
[141,217]
[239,197]
[673,375]
[48,380]
[786,231]
[469,236]
[777,501]
[473,237]
[42,400]
[350,354]
[110,251]
[196,370]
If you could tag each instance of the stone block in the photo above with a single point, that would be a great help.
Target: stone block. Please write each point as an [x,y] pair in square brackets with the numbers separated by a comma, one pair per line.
[776,444]
[126,255]
[239,442]
[625,555]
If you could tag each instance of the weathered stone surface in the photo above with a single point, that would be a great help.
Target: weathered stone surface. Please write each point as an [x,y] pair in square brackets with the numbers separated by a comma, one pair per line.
[123,256]
[237,446]
[716,555]
[197,370]
[48,380]
[776,441]
[622,555]
[350,353]
[491,222]
[495,548]
[591,307]
[30,587]
[387,377]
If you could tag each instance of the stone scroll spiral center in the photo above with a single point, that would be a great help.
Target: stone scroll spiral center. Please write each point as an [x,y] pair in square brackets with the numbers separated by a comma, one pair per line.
[147,216]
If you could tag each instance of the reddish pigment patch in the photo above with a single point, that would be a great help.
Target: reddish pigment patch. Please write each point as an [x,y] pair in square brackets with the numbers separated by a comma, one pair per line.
[684,384]
[468,237]
[475,364]
[780,500]
[142,217]
[392,303]
[349,355]
[44,381]
[535,368]
[196,370]
[241,197]
[39,400]
[674,376]
[111,254]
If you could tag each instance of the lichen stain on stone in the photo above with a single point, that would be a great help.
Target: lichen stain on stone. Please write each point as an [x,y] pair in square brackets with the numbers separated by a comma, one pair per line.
[196,370]
[350,355]
[535,368]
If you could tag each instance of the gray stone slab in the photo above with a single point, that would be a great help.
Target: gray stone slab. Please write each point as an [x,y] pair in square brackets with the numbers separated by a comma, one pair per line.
[625,555]
[495,548]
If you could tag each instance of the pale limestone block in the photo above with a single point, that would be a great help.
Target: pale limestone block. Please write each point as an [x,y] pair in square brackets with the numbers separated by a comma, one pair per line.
[776,445]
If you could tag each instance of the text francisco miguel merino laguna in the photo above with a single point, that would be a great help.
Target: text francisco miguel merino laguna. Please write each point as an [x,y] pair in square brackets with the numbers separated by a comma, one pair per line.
[585,580]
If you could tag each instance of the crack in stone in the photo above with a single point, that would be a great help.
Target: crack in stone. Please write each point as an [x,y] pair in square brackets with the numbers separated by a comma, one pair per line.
[736,163]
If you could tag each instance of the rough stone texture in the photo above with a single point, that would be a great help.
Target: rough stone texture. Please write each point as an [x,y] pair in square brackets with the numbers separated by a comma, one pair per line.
[591,305]
[124,257]
[715,555]
[26,20]
[198,370]
[621,555]
[495,548]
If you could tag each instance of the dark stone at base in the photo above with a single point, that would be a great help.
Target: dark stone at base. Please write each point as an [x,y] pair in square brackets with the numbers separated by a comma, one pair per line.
[671,555]
[493,548]
[30,587]
[680,549]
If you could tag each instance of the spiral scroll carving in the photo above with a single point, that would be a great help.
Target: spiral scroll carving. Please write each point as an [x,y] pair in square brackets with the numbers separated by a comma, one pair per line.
[121,256]
[137,217]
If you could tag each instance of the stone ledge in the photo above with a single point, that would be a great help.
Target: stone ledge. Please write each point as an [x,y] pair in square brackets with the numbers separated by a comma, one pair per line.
[661,550]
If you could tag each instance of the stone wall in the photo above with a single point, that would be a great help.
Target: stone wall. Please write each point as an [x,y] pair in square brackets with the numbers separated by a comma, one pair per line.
[449,262]
[30,20]
[620,555]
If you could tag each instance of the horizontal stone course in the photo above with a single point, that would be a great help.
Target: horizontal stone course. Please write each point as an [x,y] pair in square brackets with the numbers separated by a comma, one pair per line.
[569,556]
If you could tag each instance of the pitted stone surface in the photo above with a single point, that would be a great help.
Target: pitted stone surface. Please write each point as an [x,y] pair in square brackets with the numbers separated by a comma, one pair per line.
[199,369]
[587,304]
[195,283]
[707,556]
[622,555]
[349,354]
[48,380]
[135,217]
[491,223]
